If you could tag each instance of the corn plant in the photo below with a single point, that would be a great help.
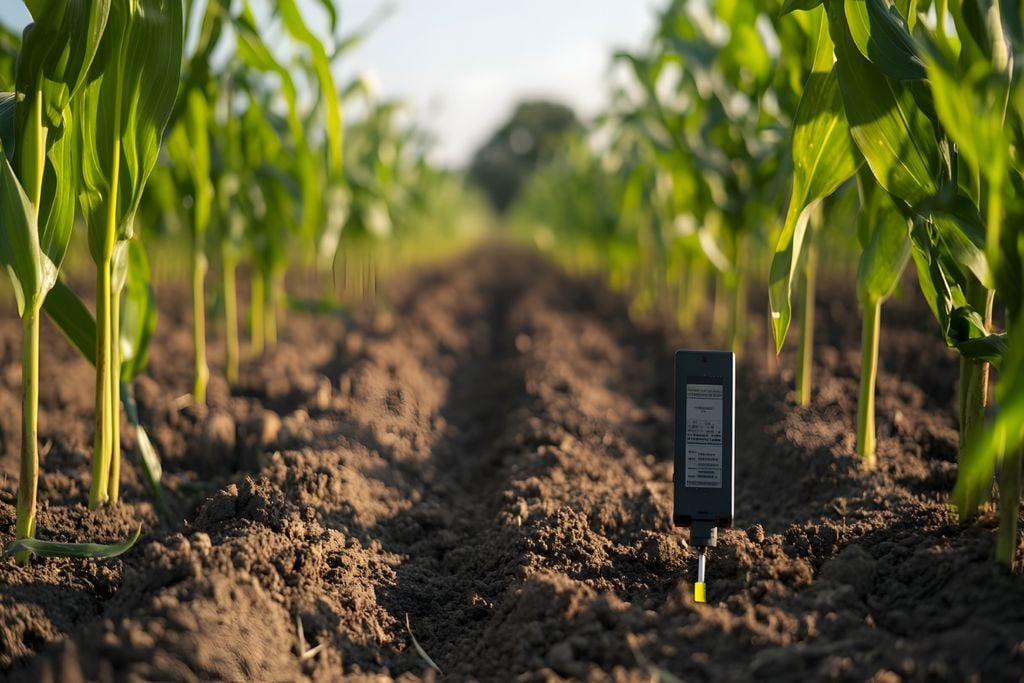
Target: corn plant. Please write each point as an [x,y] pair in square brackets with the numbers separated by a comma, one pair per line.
[122,115]
[823,158]
[272,202]
[885,243]
[189,153]
[929,115]
[206,152]
[230,222]
[55,64]
[712,125]
[137,323]
[188,146]
[979,106]
[37,191]
[268,272]
[808,275]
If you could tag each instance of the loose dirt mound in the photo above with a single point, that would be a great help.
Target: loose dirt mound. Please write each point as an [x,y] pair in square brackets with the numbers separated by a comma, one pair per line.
[491,459]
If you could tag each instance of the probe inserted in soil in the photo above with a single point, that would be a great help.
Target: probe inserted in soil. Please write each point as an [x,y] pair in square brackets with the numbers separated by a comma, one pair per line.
[704,453]
[698,588]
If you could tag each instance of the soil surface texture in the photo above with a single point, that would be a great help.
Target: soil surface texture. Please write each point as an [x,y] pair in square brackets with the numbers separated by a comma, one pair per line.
[480,474]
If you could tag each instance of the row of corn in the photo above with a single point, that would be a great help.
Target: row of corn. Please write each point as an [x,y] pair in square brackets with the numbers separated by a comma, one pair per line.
[753,140]
[229,150]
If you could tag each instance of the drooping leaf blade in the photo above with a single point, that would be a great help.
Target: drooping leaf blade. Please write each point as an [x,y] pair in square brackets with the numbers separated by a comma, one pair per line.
[882,36]
[73,319]
[823,158]
[149,459]
[894,136]
[793,5]
[991,348]
[296,25]
[93,551]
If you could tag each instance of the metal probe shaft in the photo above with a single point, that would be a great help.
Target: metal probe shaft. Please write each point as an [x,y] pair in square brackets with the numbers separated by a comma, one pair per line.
[698,588]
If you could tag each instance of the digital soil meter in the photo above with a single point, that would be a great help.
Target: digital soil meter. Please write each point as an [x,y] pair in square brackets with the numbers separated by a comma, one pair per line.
[705,419]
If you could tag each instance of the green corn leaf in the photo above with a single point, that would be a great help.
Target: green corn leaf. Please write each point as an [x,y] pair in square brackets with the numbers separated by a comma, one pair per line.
[188,145]
[793,5]
[139,314]
[148,457]
[322,66]
[964,244]
[19,240]
[255,54]
[984,24]
[8,113]
[55,218]
[93,551]
[73,319]
[57,53]
[966,324]
[978,463]
[942,278]
[882,36]
[942,293]
[125,110]
[823,158]
[198,72]
[971,108]
[10,45]
[959,232]
[991,348]
[57,200]
[896,139]
[886,255]
[419,649]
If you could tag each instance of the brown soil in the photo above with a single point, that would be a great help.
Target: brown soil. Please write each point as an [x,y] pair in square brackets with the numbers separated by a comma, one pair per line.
[491,458]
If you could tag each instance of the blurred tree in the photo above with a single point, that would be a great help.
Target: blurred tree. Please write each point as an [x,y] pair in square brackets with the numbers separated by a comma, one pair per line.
[533,135]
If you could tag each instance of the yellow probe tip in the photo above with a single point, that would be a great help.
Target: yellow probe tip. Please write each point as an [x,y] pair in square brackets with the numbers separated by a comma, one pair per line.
[698,592]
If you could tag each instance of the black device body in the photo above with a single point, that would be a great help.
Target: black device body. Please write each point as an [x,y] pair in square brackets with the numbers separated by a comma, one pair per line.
[705,414]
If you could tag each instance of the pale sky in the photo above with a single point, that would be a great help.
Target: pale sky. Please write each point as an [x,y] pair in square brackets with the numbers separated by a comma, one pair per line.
[462,64]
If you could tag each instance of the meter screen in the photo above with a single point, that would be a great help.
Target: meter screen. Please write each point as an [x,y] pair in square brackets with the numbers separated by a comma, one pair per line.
[705,398]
